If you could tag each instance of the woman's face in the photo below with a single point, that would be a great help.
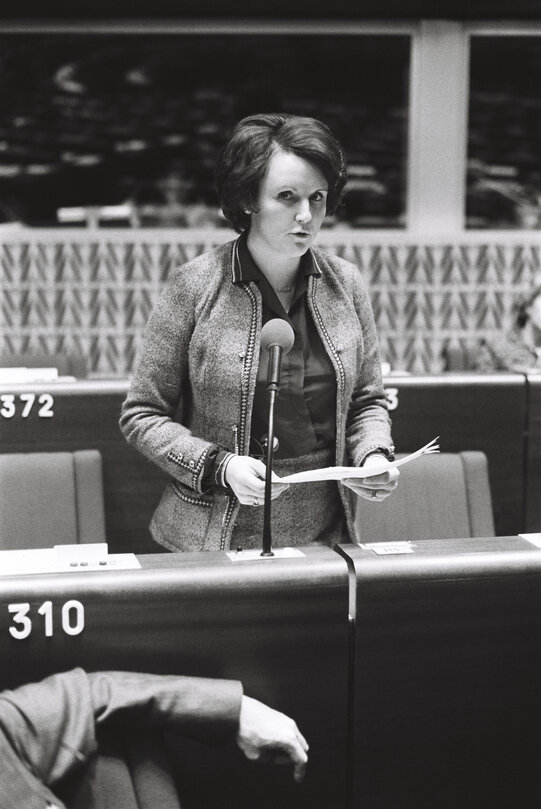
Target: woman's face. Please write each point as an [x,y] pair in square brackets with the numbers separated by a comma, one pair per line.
[291,205]
[534,312]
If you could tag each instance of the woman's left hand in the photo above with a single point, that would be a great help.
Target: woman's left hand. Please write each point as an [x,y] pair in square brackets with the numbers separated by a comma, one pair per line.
[377,487]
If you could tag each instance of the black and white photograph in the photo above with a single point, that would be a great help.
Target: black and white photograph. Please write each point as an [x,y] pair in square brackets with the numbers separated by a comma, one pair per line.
[270,404]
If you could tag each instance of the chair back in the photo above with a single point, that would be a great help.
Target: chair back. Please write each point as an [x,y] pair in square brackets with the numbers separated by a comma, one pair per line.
[51,498]
[443,496]
[459,358]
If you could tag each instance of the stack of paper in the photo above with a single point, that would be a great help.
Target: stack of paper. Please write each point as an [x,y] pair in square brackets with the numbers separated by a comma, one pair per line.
[341,472]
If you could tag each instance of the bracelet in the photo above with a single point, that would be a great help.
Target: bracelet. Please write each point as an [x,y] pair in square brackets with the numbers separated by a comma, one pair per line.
[220,472]
[387,453]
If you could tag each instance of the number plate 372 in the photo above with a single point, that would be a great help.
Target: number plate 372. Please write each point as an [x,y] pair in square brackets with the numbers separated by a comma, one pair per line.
[23,404]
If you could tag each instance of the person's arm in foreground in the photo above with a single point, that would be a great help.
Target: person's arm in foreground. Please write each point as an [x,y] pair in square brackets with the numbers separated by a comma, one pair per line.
[51,725]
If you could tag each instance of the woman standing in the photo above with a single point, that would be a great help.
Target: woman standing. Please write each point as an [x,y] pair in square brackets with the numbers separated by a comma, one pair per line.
[197,401]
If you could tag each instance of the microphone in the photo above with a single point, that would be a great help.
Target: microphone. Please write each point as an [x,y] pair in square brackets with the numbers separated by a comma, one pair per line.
[277,337]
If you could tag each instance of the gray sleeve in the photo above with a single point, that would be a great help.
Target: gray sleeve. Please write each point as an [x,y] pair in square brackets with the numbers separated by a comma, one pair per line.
[51,725]
[160,386]
[368,426]
[203,708]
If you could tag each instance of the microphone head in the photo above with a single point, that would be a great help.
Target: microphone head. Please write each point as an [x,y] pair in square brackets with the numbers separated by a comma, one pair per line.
[277,332]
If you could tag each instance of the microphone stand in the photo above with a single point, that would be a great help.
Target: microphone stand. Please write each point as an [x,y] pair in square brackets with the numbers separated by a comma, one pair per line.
[275,356]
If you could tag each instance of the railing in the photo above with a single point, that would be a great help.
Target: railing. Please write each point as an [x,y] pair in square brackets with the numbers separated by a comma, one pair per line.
[91,291]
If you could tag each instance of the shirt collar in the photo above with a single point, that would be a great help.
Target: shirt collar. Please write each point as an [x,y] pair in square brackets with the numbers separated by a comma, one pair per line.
[245,268]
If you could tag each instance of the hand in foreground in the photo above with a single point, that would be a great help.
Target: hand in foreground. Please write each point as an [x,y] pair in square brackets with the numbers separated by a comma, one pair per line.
[377,487]
[246,476]
[269,735]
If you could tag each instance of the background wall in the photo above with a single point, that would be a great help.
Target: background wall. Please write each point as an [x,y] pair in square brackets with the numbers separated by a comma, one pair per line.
[115,125]
[93,292]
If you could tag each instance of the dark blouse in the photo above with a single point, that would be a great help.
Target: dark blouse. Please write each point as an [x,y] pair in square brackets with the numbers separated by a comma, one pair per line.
[305,408]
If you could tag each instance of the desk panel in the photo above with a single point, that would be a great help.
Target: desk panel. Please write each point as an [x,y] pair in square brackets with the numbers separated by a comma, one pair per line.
[484,412]
[447,705]
[533,468]
[278,625]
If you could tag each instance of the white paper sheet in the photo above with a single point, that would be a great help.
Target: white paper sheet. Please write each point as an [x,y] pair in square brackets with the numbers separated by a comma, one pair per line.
[341,472]
[254,554]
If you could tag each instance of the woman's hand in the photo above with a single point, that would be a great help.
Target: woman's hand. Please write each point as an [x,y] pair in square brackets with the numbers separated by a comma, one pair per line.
[246,476]
[377,487]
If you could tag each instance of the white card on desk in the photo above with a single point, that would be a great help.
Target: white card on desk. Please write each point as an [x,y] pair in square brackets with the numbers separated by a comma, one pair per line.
[535,539]
[388,548]
[61,559]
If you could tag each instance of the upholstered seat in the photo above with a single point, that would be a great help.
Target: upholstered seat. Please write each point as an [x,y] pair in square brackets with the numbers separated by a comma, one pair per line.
[440,496]
[51,498]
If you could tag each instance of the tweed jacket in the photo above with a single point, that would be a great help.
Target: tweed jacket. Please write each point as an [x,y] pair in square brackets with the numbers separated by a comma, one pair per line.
[92,741]
[195,380]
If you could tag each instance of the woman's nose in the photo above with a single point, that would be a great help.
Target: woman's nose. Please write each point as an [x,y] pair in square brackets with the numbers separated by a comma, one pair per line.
[304,213]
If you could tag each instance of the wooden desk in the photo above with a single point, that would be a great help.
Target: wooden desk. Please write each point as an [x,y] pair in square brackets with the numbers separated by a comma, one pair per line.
[447,665]
[468,411]
[278,625]
[414,676]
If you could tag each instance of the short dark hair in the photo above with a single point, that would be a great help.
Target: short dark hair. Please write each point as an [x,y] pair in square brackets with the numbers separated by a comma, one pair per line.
[244,159]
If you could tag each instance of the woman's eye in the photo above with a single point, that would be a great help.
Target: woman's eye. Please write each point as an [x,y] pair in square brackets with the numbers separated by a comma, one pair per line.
[318,197]
[287,195]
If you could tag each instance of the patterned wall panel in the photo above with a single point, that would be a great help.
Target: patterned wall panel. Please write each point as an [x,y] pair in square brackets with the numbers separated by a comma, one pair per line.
[92,292]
